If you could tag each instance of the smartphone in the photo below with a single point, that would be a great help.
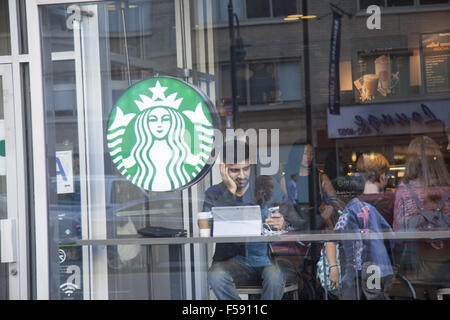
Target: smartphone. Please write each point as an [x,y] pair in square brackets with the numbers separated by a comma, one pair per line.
[273,209]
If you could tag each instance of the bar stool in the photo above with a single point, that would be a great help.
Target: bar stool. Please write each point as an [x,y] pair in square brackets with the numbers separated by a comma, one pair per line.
[245,291]
[440,293]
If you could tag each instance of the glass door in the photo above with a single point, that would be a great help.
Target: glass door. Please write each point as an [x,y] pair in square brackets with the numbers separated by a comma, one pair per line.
[92,53]
[9,218]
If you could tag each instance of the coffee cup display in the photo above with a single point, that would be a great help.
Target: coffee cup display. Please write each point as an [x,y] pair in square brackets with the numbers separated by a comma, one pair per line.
[204,223]
[367,86]
[380,83]
[383,71]
[370,83]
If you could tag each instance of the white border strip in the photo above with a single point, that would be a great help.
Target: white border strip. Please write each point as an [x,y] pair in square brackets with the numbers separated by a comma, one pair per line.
[39,153]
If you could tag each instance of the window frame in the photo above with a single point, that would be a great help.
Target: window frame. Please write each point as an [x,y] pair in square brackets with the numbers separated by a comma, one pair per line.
[250,106]
[417,7]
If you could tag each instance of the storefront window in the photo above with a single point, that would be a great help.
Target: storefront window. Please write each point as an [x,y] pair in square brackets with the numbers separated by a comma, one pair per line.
[126,164]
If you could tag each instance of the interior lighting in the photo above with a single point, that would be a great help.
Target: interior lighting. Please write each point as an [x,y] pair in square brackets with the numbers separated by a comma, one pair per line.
[397,169]
[298,16]
[309,17]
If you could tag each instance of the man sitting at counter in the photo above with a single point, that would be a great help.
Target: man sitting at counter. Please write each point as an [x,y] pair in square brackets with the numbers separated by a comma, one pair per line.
[237,264]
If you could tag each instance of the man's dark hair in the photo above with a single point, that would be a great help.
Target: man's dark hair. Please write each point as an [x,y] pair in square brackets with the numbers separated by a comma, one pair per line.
[235,151]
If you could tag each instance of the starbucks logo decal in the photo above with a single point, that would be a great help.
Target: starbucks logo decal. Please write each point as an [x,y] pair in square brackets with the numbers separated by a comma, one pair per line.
[160,134]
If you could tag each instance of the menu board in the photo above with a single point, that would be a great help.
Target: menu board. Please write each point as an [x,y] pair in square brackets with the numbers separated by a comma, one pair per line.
[436,61]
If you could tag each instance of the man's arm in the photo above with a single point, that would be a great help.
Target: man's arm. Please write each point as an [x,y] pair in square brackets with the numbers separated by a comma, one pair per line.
[217,196]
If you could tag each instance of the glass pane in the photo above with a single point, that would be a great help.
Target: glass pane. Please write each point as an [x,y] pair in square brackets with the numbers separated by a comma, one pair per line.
[220,10]
[5,33]
[242,79]
[393,3]
[338,175]
[288,81]
[363,4]
[262,83]
[284,8]
[433,1]
[63,156]
[64,93]
[54,21]
[23,30]
[257,8]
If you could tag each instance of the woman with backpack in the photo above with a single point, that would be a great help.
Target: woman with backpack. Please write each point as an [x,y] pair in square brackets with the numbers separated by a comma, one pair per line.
[422,203]
[368,212]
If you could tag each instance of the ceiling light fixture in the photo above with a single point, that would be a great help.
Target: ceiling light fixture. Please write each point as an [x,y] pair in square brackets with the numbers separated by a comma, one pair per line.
[291,19]
[309,17]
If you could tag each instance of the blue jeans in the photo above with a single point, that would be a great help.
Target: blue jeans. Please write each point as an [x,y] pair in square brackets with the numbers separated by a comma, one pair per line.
[224,276]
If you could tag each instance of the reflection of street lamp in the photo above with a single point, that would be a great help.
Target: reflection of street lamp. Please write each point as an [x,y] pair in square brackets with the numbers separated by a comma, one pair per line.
[239,47]
[237,52]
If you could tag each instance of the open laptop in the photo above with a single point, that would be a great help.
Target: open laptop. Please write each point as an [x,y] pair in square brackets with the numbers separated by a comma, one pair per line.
[237,221]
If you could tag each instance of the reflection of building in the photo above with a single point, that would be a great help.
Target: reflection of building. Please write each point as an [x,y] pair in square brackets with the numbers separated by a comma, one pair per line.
[270,78]
[406,76]
[396,56]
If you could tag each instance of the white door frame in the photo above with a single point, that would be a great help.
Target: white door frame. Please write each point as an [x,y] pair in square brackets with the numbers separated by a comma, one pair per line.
[14,231]
[93,289]
[11,70]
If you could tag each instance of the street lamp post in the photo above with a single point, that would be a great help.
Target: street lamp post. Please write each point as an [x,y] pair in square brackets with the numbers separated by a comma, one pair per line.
[234,102]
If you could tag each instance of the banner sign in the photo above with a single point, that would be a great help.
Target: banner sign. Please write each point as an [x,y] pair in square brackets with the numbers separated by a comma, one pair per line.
[160,134]
[335,46]
[390,119]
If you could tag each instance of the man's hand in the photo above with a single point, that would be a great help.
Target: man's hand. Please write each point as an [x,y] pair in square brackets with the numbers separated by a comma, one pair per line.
[276,221]
[229,183]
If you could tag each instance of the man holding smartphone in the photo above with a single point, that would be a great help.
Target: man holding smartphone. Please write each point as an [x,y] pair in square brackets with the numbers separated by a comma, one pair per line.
[236,264]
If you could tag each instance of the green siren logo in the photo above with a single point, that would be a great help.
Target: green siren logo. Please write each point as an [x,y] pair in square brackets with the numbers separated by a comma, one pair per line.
[160,134]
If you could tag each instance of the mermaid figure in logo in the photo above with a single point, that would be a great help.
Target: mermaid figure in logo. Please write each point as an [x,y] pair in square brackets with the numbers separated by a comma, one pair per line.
[160,151]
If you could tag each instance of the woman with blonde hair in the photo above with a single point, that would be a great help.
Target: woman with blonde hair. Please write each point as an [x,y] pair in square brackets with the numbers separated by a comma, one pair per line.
[425,192]
[427,176]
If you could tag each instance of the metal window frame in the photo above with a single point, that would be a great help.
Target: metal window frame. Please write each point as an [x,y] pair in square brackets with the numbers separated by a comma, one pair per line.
[17,195]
